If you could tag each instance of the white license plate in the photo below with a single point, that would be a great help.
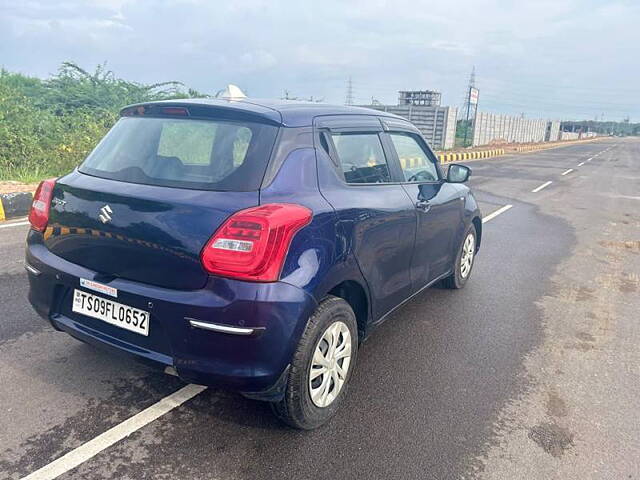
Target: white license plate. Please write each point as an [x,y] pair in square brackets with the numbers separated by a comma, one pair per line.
[111,312]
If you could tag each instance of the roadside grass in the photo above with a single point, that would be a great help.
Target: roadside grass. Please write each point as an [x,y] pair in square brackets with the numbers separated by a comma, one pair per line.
[33,174]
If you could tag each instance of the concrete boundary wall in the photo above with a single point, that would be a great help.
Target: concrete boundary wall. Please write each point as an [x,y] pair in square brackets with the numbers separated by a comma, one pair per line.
[569,135]
[553,131]
[510,129]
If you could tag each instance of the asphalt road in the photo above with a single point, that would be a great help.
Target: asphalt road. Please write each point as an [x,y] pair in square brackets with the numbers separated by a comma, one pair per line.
[531,371]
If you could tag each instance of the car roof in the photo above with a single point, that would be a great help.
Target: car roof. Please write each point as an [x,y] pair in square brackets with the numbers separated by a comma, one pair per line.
[288,113]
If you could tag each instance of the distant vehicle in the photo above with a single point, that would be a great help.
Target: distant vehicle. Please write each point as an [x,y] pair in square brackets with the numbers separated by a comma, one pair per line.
[249,245]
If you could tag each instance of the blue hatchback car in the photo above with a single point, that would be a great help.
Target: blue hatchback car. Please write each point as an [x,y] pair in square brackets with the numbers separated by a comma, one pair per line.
[251,245]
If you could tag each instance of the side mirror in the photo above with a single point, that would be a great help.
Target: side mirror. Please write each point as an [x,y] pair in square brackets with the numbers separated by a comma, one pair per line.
[458,173]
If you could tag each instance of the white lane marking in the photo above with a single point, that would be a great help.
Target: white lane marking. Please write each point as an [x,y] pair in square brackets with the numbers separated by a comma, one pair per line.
[96,445]
[580,164]
[18,224]
[544,185]
[493,215]
[629,197]
[567,171]
[589,159]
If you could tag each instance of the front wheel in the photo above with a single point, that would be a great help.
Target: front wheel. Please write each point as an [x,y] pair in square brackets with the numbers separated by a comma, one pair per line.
[321,366]
[464,261]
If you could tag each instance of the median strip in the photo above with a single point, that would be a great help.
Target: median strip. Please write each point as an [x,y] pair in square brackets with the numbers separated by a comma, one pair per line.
[544,185]
[103,441]
[15,204]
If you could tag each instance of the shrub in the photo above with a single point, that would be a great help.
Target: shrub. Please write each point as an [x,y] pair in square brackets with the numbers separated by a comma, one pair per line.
[47,127]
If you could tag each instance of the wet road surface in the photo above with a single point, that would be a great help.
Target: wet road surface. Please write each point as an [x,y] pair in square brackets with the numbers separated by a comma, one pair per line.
[495,381]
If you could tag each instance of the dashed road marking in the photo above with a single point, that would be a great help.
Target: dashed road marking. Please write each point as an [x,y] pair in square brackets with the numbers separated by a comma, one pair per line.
[493,215]
[567,171]
[544,185]
[96,445]
[17,224]
[121,431]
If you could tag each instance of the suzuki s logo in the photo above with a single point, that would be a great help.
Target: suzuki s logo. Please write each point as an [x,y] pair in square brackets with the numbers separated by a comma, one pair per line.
[105,214]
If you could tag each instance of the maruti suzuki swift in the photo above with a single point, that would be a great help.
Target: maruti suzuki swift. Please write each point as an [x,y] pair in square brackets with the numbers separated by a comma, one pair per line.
[250,245]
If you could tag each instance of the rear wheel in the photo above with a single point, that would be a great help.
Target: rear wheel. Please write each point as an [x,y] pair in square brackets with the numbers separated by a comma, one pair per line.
[464,261]
[321,366]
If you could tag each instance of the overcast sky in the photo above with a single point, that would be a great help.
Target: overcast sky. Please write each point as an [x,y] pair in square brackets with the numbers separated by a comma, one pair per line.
[569,59]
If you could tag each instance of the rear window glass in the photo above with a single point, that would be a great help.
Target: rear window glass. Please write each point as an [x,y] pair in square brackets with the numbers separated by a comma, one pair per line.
[361,157]
[187,153]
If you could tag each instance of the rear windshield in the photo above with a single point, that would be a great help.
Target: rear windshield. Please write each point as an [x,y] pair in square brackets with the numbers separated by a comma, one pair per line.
[186,153]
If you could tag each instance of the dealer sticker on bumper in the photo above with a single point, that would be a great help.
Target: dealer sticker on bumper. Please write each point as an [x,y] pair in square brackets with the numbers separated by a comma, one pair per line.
[99,287]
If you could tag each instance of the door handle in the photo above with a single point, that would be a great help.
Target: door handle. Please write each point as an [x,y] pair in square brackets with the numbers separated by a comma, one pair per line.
[423,205]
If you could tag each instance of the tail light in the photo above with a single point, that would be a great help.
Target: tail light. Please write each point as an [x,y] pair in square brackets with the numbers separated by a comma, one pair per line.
[253,243]
[39,214]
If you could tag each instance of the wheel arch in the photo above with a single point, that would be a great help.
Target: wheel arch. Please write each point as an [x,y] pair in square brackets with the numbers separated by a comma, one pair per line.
[477,222]
[352,292]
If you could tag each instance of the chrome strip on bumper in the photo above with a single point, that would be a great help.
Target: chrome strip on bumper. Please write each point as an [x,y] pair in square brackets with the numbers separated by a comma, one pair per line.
[216,327]
[31,269]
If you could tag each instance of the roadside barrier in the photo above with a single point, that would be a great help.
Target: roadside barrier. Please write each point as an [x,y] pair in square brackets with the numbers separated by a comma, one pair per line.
[542,146]
[456,157]
[14,205]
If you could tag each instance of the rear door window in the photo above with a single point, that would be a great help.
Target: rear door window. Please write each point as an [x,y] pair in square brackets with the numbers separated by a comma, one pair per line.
[361,157]
[203,154]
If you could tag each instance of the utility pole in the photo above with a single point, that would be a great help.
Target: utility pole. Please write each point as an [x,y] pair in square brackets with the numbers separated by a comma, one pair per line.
[349,97]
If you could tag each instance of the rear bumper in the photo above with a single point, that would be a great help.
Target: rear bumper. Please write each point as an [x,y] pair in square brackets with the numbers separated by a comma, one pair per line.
[264,320]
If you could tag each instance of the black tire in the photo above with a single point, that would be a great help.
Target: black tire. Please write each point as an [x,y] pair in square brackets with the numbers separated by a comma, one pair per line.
[296,408]
[456,280]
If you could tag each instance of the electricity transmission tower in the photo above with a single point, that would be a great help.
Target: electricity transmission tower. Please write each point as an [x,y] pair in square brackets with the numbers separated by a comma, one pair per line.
[349,97]
[466,106]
